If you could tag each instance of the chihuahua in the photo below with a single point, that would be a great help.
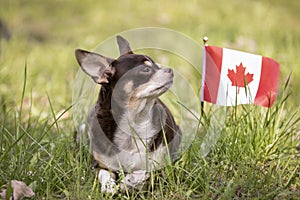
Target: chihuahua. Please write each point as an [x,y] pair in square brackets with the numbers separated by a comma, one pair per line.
[129,129]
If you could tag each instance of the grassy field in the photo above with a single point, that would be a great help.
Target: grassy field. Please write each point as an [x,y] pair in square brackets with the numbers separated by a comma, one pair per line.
[258,153]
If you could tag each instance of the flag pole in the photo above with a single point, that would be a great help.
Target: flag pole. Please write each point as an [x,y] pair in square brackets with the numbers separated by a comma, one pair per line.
[205,40]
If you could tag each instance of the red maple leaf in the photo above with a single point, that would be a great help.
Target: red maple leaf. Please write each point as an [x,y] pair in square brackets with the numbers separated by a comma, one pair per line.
[239,78]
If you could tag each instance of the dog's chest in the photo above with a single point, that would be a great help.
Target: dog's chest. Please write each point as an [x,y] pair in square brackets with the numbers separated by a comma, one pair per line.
[135,137]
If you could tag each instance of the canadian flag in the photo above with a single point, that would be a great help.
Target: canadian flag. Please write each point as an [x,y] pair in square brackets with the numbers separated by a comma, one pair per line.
[233,77]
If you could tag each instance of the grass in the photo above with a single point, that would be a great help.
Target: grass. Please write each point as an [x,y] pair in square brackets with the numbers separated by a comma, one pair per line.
[257,154]
[252,159]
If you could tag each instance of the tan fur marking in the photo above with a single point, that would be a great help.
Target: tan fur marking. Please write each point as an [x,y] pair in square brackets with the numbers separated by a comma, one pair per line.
[128,86]
[148,63]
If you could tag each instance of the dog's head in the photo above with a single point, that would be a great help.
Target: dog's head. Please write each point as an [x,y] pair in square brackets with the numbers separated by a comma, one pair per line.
[136,75]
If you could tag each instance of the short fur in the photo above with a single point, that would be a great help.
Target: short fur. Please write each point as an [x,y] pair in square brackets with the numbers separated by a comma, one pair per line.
[129,121]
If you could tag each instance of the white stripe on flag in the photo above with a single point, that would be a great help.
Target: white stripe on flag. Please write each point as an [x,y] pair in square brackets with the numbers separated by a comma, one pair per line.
[229,95]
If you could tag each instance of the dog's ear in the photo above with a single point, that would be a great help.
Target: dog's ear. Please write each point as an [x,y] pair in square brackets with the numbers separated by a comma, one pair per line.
[95,65]
[124,46]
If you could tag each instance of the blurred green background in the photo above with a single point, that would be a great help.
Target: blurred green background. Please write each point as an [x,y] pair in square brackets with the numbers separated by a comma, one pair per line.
[44,34]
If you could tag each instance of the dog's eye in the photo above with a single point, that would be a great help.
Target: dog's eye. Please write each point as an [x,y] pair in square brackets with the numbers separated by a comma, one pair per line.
[146,70]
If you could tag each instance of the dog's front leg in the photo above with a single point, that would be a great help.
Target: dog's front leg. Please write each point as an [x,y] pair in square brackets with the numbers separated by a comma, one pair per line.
[134,180]
[107,180]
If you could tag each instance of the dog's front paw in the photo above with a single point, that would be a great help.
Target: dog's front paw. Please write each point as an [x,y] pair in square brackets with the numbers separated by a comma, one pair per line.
[108,182]
[134,180]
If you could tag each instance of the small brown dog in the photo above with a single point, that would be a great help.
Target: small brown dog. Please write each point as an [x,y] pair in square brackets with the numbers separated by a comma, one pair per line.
[129,128]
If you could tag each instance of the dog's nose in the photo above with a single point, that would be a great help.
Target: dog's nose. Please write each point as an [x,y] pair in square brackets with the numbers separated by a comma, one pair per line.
[168,70]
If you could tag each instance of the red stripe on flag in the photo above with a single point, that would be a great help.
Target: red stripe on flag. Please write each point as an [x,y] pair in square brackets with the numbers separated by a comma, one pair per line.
[268,84]
[212,73]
